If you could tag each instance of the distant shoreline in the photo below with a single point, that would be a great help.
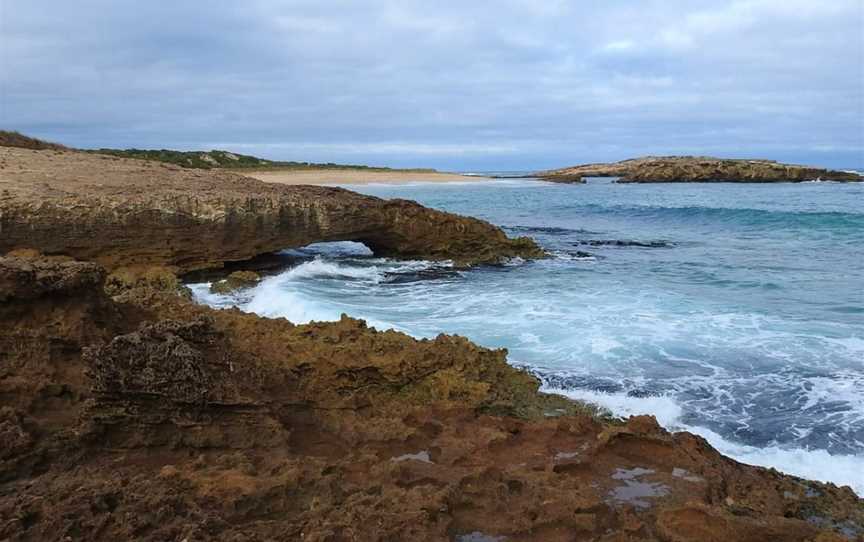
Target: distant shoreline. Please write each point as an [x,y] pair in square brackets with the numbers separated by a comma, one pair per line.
[358,176]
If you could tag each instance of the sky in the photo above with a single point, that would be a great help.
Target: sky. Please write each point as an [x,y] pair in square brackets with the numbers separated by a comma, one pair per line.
[456,85]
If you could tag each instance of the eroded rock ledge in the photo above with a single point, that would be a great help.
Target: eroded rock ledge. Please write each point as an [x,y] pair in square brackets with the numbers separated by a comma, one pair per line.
[147,417]
[666,169]
[123,212]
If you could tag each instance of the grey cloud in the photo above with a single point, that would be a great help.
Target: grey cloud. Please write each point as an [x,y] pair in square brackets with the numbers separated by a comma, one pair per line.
[484,84]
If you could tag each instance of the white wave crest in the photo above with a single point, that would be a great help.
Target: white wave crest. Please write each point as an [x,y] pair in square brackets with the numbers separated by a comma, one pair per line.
[319,267]
[292,293]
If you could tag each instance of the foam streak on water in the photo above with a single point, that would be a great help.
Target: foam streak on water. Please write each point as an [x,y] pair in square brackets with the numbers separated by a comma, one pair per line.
[733,311]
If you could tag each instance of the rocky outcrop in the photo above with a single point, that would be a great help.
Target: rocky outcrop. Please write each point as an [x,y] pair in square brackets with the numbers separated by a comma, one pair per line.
[178,421]
[667,169]
[122,212]
[49,310]
[235,281]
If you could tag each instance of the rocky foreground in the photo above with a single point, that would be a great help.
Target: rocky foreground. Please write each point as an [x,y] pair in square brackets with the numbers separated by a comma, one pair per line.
[128,412]
[682,169]
[143,416]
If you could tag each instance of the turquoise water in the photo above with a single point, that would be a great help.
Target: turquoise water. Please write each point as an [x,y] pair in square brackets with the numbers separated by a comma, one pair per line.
[734,311]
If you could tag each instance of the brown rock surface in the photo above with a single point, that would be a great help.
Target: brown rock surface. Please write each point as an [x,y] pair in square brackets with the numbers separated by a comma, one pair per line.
[123,212]
[235,281]
[147,417]
[697,169]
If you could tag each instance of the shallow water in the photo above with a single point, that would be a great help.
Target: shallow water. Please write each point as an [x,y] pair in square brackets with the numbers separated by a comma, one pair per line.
[734,311]
[634,491]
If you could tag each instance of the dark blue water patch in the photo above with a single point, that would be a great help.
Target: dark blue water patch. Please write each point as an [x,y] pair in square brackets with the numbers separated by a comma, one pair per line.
[333,249]
[421,275]
[544,230]
[578,255]
[565,381]
[841,222]
[847,309]
[624,243]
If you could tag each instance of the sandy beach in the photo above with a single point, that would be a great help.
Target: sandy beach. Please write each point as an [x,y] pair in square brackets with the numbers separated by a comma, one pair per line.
[359,176]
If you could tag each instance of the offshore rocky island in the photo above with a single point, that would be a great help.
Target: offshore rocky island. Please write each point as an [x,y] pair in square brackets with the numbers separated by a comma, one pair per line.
[684,169]
[131,412]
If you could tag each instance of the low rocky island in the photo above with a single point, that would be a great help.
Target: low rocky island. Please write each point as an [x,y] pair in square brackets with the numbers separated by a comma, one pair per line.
[682,169]
[131,412]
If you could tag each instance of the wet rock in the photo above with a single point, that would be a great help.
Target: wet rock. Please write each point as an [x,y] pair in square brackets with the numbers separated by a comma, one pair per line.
[634,491]
[684,474]
[422,455]
[477,536]
[235,281]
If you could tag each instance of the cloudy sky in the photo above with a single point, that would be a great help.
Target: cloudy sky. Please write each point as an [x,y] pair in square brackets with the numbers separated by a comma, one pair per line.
[505,84]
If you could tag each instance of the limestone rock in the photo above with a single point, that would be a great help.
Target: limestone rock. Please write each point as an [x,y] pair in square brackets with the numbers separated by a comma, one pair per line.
[667,169]
[235,281]
[127,213]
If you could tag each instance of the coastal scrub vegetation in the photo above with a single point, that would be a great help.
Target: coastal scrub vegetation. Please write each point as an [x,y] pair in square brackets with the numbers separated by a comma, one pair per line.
[191,159]
[11,138]
[229,160]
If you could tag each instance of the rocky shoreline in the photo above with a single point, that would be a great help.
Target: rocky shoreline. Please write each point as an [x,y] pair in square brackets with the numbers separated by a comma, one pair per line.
[130,412]
[127,212]
[682,169]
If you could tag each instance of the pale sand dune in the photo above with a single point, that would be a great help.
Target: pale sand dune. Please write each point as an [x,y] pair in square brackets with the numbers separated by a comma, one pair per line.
[358,176]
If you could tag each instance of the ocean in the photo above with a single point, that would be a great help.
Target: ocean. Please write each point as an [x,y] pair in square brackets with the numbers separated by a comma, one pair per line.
[734,311]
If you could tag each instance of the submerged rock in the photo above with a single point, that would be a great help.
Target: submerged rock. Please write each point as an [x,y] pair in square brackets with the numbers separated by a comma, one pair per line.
[235,281]
[625,243]
[665,169]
